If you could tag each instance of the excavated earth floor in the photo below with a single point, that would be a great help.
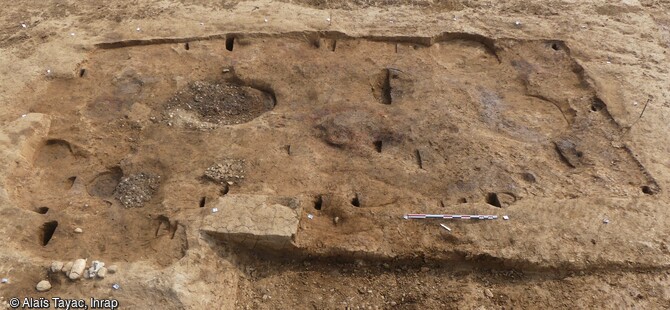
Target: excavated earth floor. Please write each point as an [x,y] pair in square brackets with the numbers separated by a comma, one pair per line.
[263,155]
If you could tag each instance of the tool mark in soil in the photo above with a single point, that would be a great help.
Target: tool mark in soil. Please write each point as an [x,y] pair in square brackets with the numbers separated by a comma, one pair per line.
[70,182]
[170,226]
[557,46]
[230,43]
[597,105]
[648,190]
[492,199]
[356,200]
[417,157]
[381,89]
[48,230]
[378,145]
[318,202]
[329,44]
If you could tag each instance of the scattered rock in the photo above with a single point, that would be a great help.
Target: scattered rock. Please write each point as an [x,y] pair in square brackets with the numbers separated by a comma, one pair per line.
[96,265]
[67,267]
[112,269]
[78,230]
[102,273]
[488,293]
[43,286]
[568,151]
[133,191]
[77,269]
[56,266]
[95,268]
[228,171]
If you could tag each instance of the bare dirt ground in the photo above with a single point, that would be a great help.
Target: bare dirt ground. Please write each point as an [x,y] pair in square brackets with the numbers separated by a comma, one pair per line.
[261,155]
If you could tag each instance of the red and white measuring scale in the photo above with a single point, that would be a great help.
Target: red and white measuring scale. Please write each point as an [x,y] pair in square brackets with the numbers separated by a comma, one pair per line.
[450,216]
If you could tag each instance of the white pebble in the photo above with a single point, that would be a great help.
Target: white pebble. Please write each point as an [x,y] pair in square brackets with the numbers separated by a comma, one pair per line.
[77,269]
[78,230]
[43,286]
[56,266]
[102,273]
[67,267]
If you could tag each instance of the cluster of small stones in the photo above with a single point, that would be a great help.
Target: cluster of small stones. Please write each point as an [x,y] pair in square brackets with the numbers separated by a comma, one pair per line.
[228,171]
[75,270]
[133,191]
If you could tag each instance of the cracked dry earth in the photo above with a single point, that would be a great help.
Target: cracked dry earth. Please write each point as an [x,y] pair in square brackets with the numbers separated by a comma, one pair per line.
[261,155]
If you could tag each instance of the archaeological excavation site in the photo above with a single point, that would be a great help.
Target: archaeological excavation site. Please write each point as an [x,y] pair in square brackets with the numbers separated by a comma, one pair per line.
[308,154]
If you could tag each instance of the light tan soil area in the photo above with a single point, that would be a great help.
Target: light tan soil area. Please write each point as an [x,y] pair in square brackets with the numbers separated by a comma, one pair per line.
[262,155]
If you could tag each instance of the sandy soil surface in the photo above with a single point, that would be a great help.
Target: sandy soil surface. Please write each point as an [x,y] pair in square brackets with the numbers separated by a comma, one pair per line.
[263,154]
